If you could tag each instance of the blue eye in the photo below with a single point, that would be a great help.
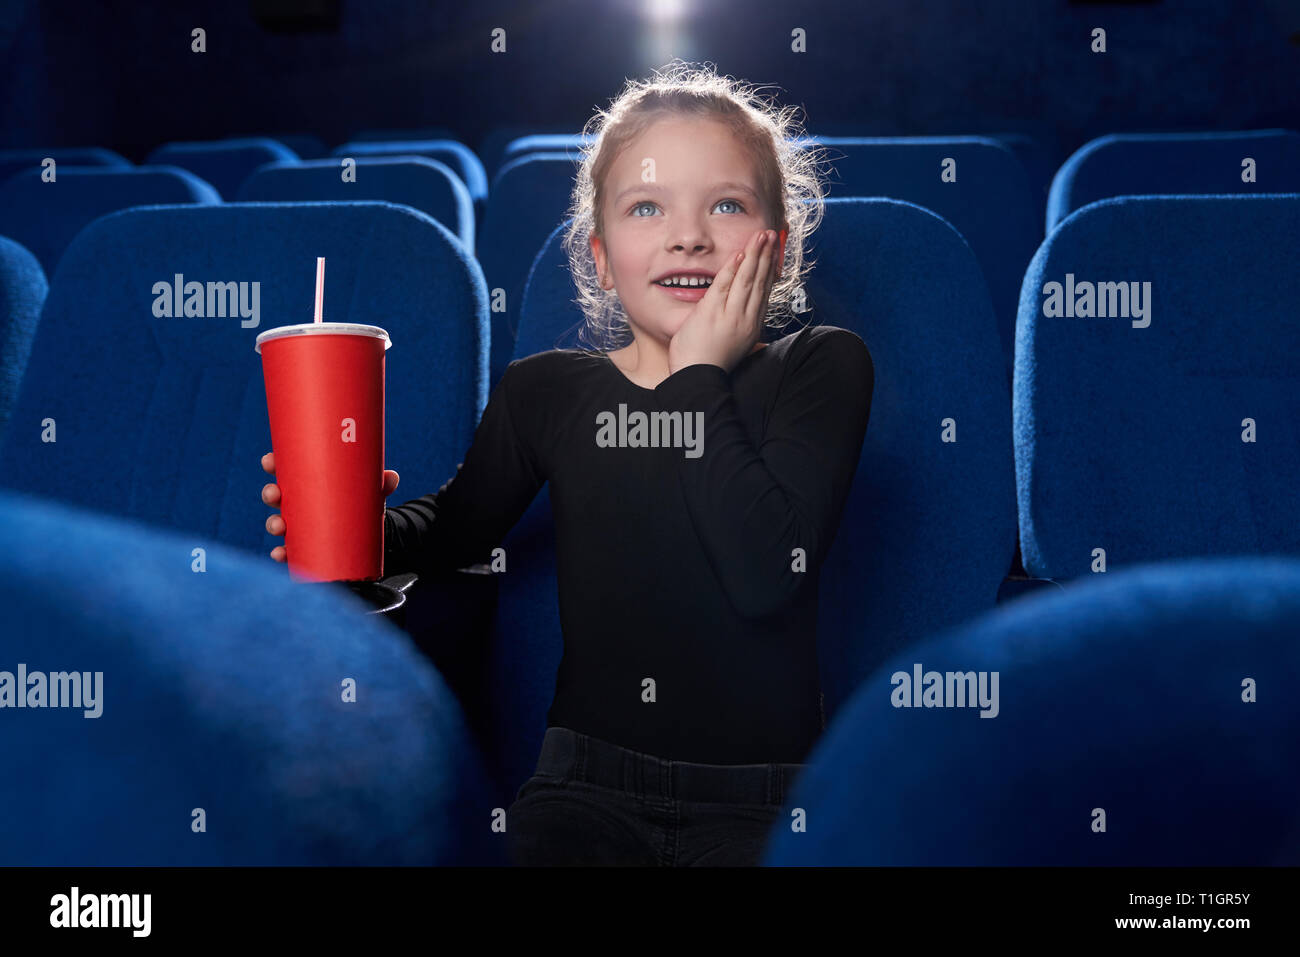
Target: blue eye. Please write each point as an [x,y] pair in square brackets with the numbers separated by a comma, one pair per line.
[739,207]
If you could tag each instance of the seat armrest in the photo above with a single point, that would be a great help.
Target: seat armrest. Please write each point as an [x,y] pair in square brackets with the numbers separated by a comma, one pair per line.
[406,580]
[402,582]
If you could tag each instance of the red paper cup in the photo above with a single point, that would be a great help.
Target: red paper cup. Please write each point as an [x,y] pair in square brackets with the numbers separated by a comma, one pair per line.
[325,399]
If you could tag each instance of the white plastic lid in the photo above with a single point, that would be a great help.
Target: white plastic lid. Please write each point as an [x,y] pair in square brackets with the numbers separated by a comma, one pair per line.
[323,328]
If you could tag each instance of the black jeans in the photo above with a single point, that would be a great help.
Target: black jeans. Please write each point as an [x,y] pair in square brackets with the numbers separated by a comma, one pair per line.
[593,802]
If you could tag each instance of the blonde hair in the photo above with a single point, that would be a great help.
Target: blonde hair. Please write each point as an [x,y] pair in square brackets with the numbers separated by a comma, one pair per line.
[789,177]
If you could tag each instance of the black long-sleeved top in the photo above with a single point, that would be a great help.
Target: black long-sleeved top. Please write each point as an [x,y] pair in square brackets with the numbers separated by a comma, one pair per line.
[673,563]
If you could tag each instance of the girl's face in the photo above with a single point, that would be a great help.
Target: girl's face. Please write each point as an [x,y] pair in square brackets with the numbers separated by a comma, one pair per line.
[683,196]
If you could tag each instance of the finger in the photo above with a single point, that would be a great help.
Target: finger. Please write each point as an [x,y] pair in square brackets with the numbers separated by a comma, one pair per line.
[275,525]
[744,284]
[778,250]
[725,277]
[268,462]
[278,553]
[750,254]
[271,494]
[759,288]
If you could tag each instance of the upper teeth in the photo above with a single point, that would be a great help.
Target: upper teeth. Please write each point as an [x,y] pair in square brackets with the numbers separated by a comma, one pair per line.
[686,281]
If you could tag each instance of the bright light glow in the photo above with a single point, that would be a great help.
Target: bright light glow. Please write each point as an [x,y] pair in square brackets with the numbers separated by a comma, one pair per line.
[665,11]
[665,34]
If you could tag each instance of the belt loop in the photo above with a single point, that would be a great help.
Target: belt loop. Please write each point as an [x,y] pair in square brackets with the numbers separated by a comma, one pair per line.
[580,772]
[772,784]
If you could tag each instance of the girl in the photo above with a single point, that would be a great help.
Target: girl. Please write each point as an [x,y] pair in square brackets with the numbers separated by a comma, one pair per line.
[697,476]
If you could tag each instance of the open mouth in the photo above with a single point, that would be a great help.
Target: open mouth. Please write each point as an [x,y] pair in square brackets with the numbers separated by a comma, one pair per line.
[685,282]
[685,293]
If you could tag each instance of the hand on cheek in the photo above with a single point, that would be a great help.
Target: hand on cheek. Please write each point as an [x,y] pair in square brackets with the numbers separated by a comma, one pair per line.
[723,327]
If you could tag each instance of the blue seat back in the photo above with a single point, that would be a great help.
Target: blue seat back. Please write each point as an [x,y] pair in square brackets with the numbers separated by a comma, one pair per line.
[928,531]
[569,144]
[1136,702]
[1037,155]
[416,181]
[45,217]
[223,163]
[990,203]
[406,133]
[492,148]
[164,418]
[306,146]
[453,153]
[1152,164]
[17,161]
[22,294]
[525,640]
[530,197]
[304,731]
[1172,435]
[548,316]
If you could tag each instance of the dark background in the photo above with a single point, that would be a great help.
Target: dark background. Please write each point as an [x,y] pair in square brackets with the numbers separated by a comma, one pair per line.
[122,75]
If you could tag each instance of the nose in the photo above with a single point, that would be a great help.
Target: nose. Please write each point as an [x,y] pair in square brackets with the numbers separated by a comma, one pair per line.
[693,248]
[691,237]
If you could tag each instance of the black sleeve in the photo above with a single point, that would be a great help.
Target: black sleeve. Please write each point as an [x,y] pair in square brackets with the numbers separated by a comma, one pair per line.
[473,511]
[752,506]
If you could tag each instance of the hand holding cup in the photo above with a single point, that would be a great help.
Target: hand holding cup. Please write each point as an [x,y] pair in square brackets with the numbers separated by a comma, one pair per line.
[271,496]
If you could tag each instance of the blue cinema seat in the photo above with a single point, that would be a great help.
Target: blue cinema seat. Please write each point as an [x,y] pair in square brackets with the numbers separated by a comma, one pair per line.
[454,154]
[1037,156]
[991,203]
[16,161]
[406,133]
[45,217]
[928,531]
[523,639]
[415,181]
[1151,164]
[223,163]
[1173,434]
[222,688]
[530,197]
[568,144]
[306,146]
[494,146]
[1156,701]
[22,294]
[164,419]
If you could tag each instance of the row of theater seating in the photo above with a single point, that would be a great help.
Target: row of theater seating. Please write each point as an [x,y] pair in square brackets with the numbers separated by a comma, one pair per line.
[1115,439]
[987,187]
[1143,719]
[1121,443]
